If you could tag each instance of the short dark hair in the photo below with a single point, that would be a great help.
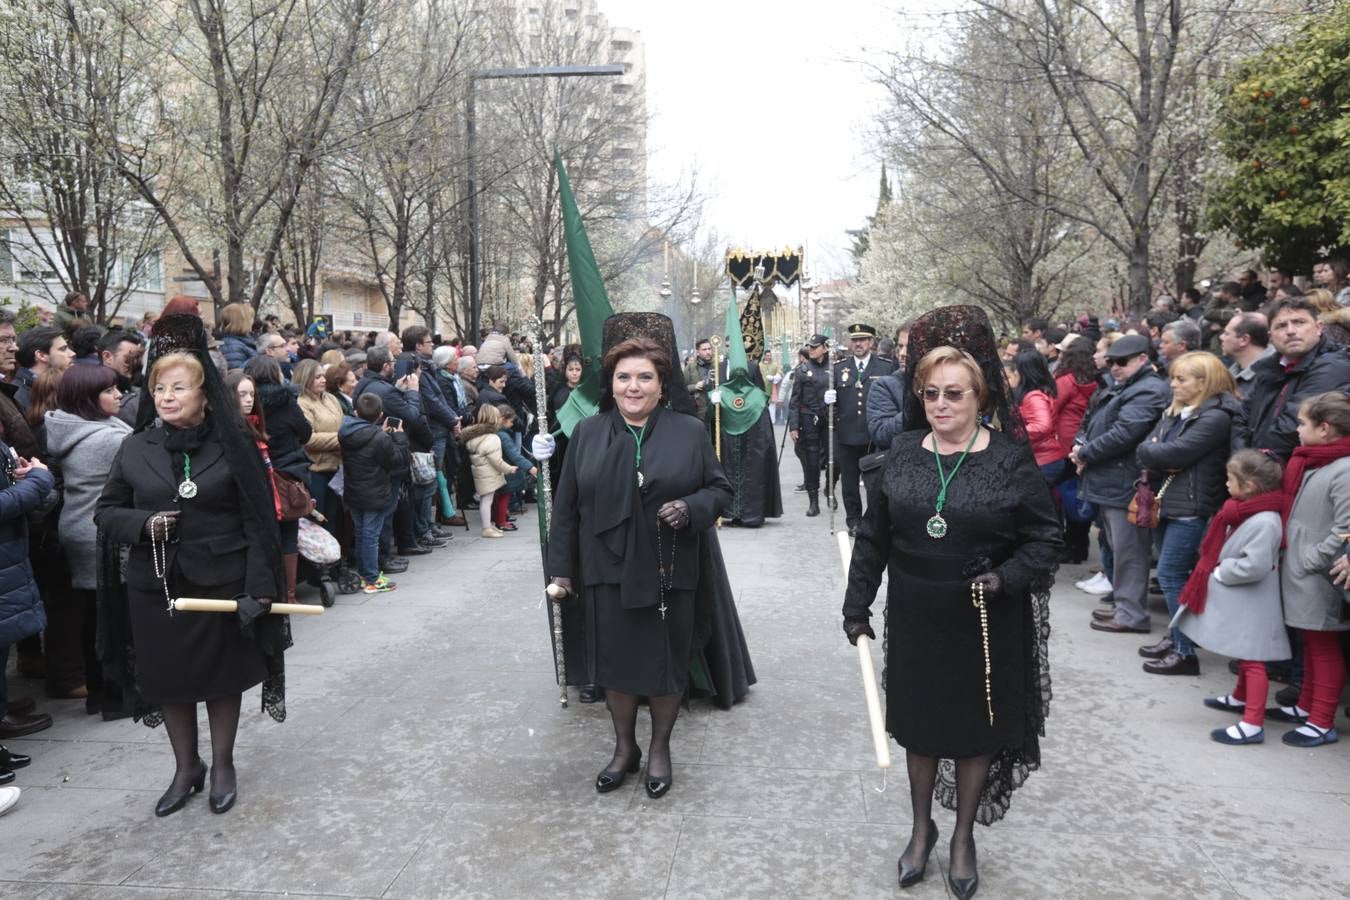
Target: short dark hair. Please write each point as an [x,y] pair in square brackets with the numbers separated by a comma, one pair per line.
[79,389]
[493,372]
[1231,288]
[116,338]
[72,296]
[7,316]
[414,335]
[35,341]
[1292,290]
[377,358]
[700,342]
[1291,304]
[1160,318]
[263,369]
[1036,324]
[1192,294]
[1054,334]
[369,406]
[1254,327]
[85,339]
[649,350]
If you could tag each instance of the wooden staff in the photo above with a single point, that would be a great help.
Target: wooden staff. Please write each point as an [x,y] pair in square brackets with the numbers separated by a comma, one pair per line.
[544,507]
[869,677]
[717,407]
[198,604]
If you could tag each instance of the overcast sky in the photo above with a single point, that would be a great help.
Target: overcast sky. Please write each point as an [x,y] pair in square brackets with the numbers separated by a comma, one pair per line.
[767,101]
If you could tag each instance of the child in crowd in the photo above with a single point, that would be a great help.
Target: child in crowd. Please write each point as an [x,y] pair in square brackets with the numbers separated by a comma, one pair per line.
[370,454]
[489,466]
[1317,498]
[509,499]
[1231,602]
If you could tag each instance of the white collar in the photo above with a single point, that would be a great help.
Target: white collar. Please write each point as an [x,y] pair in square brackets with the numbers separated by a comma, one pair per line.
[861,362]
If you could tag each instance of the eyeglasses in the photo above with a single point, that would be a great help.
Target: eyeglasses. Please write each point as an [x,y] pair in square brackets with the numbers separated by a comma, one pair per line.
[952,395]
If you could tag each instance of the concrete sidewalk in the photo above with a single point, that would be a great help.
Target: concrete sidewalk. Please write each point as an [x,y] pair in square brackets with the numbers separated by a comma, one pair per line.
[426,756]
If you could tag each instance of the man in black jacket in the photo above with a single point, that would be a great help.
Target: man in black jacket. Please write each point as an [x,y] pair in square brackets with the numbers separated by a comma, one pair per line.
[418,345]
[852,383]
[1305,363]
[806,417]
[1117,422]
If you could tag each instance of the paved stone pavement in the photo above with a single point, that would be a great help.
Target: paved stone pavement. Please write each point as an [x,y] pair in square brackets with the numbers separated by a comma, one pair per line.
[426,756]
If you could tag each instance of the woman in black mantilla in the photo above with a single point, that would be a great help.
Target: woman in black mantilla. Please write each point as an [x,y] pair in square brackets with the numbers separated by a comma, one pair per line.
[189,496]
[639,486]
[967,528]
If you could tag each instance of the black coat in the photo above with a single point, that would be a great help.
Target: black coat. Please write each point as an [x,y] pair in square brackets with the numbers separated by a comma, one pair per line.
[1197,455]
[370,455]
[1274,396]
[810,380]
[850,424]
[21,612]
[405,405]
[1117,422]
[288,431]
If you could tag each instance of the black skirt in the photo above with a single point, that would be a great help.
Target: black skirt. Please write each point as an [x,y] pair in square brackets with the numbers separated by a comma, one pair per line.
[191,656]
[636,650]
[935,686]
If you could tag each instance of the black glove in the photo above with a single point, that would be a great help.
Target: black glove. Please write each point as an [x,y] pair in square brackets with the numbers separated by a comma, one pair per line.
[853,628]
[675,514]
[161,525]
[992,585]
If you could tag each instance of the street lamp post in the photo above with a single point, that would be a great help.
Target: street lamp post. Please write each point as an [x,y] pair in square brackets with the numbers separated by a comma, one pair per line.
[475,288]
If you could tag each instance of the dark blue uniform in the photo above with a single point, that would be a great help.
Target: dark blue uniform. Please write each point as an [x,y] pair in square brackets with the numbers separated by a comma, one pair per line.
[806,416]
[852,384]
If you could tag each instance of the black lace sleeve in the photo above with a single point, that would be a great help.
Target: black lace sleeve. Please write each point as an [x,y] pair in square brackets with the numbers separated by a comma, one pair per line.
[871,550]
[1039,535]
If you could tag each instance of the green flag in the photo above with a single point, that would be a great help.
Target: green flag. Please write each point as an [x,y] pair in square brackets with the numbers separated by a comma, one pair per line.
[742,402]
[592,303]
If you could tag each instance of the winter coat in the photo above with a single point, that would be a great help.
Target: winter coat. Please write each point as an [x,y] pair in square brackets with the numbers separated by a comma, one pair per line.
[401,404]
[886,409]
[288,430]
[1274,396]
[1321,514]
[1197,455]
[370,455]
[1071,403]
[324,415]
[1336,326]
[1038,414]
[485,458]
[518,480]
[1117,422]
[84,449]
[1242,616]
[238,350]
[439,412]
[495,349]
[21,612]
[14,428]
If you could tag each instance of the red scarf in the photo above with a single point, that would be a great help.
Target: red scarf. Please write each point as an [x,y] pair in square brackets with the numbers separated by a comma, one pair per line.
[1230,516]
[1306,458]
[256,421]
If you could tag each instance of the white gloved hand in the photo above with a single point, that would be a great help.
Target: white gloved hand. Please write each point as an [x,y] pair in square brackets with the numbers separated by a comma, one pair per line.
[542,446]
[830,397]
[777,379]
[715,397]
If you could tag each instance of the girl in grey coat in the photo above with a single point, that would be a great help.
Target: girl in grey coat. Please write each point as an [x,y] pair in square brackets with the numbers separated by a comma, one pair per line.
[1241,615]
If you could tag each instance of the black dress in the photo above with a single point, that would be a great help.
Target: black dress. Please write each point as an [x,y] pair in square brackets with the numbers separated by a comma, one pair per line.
[1000,518]
[187,657]
[605,536]
[751,463]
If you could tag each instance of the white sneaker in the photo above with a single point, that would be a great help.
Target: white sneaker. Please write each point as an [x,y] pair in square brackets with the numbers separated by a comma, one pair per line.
[1088,581]
[1101,585]
[9,798]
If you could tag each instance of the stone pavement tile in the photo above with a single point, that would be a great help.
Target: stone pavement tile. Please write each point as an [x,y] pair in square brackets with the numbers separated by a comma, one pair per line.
[761,793]
[420,736]
[525,782]
[306,719]
[753,859]
[1028,862]
[784,724]
[355,845]
[1261,870]
[81,835]
[70,723]
[88,764]
[140,892]
[550,851]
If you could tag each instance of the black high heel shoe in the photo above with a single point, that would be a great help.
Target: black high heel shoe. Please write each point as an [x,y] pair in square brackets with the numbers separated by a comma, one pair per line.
[175,799]
[613,779]
[222,802]
[912,875]
[965,888]
[658,787]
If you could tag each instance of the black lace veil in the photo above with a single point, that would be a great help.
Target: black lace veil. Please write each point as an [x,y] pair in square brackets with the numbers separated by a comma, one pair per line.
[967,329]
[656,327]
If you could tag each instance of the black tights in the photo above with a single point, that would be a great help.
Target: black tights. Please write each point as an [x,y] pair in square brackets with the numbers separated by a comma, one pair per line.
[971,773]
[180,721]
[623,709]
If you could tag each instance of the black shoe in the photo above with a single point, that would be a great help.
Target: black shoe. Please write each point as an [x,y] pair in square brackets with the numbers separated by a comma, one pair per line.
[965,888]
[910,876]
[1158,650]
[175,798]
[1288,696]
[433,543]
[416,550]
[221,802]
[812,503]
[1174,664]
[10,760]
[12,726]
[6,776]
[590,693]
[613,779]
[659,787]
[394,565]
[799,489]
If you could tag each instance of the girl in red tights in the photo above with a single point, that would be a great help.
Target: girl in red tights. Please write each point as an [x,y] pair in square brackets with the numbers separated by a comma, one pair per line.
[1317,488]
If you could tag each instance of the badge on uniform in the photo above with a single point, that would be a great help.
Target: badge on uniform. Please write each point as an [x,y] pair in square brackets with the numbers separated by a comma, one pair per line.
[843,376]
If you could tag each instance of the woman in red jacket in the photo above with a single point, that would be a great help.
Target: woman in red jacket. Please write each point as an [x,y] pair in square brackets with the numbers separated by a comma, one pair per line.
[1034,390]
[1076,380]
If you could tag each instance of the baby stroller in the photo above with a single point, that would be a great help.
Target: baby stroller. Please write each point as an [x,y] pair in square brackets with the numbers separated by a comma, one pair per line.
[319,558]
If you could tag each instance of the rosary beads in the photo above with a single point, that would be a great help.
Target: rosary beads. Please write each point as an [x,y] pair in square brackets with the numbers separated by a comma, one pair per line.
[977,600]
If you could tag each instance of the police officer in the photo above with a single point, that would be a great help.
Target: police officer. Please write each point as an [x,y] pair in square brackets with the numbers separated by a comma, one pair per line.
[852,382]
[806,417]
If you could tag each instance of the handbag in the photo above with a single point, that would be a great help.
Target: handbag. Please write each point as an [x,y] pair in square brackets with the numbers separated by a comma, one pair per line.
[292,496]
[423,467]
[1146,507]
